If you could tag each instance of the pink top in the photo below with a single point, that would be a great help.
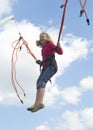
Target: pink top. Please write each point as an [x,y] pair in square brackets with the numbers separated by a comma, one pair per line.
[48,50]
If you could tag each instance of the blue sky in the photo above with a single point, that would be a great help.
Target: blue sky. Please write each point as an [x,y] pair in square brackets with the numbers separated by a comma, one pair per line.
[68,100]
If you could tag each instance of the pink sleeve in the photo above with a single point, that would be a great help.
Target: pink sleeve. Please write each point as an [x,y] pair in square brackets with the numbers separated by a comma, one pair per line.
[58,50]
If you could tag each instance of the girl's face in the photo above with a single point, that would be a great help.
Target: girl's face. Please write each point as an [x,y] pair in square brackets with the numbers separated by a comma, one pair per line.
[43,39]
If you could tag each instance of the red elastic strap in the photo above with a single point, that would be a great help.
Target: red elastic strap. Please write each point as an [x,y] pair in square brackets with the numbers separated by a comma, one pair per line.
[62,21]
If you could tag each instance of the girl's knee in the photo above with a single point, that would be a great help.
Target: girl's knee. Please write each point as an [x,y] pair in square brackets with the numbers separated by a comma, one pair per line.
[41,84]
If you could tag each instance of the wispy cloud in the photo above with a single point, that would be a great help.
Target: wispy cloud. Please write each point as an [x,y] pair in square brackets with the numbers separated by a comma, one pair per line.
[70,95]
[75,120]
[72,120]
[6,7]
[43,127]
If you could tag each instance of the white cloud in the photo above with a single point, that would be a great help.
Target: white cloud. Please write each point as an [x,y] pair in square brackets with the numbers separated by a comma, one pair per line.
[42,127]
[87,117]
[77,120]
[8,98]
[74,48]
[87,83]
[71,95]
[72,120]
[5,7]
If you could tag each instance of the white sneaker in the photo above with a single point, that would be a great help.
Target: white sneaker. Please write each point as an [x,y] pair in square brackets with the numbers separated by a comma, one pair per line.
[37,107]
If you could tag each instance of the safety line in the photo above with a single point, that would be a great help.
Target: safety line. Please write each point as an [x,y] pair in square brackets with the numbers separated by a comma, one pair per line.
[62,21]
[84,11]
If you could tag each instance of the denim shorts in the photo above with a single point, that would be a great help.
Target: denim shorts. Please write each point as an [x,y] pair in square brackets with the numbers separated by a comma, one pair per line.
[45,76]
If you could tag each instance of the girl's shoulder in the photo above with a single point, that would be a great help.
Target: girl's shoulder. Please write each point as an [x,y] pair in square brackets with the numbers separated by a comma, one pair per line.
[51,44]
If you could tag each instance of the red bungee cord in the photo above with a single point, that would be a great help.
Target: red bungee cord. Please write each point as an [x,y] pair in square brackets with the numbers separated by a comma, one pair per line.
[84,11]
[16,47]
[63,16]
[62,21]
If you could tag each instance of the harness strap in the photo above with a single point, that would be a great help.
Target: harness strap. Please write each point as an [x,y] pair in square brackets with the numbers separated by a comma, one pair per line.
[49,59]
[84,11]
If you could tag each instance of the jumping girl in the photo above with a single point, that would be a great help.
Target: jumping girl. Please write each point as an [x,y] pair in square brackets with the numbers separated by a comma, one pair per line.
[49,68]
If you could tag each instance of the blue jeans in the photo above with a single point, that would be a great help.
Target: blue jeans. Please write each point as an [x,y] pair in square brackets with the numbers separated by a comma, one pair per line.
[46,75]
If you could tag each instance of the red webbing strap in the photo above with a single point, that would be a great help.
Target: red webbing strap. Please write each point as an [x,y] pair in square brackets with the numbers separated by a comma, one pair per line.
[84,11]
[62,21]
[13,69]
[28,49]
[16,47]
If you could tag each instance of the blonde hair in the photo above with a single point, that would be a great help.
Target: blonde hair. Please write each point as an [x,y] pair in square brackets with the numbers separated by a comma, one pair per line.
[46,37]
